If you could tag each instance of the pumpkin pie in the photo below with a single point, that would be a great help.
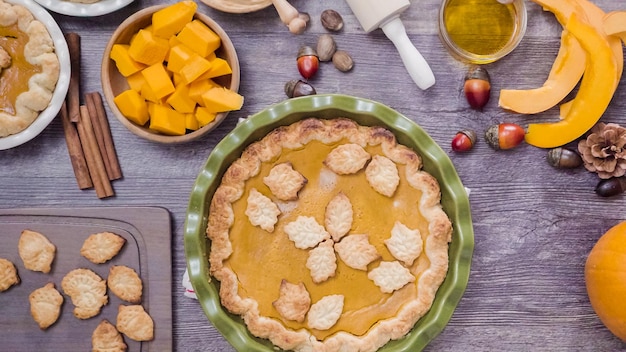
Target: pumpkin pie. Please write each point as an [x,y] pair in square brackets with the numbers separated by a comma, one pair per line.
[29,68]
[350,259]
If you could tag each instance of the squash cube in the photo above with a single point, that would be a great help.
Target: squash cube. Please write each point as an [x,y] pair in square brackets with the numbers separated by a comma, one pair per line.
[199,87]
[194,68]
[191,123]
[148,49]
[133,106]
[158,79]
[219,67]
[180,100]
[220,99]
[148,94]
[136,81]
[199,37]
[178,56]
[166,120]
[171,19]
[125,64]
[204,116]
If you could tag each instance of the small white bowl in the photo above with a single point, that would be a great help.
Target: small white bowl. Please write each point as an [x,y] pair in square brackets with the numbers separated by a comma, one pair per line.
[58,96]
[98,8]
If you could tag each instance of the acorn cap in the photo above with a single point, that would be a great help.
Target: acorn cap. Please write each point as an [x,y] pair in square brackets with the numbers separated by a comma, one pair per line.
[478,72]
[306,51]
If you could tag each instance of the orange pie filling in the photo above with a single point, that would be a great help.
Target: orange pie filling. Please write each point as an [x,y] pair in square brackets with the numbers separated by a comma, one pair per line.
[29,68]
[262,260]
[14,78]
[362,196]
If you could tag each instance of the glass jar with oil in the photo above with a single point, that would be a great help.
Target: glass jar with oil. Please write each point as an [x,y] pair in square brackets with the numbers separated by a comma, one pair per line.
[481,31]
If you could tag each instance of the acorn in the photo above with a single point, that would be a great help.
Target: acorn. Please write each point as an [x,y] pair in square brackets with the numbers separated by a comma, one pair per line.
[298,88]
[505,135]
[564,158]
[463,141]
[611,186]
[477,87]
[308,62]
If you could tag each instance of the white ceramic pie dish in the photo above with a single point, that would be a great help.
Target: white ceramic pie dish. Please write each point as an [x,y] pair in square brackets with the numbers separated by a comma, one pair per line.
[60,45]
[102,7]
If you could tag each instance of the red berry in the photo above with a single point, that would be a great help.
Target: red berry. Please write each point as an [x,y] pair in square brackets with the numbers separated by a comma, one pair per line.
[463,141]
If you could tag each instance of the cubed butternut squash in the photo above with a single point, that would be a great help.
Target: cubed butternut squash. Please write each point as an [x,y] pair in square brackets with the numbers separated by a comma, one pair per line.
[171,19]
[191,123]
[220,99]
[194,68]
[204,116]
[219,67]
[167,120]
[178,56]
[133,106]
[124,63]
[180,100]
[199,37]
[158,79]
[168,66]
[148,94]
[199,87]
[136,81]
[148,49]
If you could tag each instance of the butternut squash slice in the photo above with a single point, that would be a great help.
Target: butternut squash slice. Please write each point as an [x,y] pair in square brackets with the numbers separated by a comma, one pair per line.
[615,24]
[568,66]
[596,17]
[594,95]
[566,72]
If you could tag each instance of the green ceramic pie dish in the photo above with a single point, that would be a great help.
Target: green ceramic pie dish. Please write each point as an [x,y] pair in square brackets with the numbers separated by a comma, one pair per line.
[365,112]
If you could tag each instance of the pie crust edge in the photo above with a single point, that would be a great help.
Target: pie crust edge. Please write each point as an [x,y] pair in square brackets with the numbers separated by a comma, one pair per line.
[221,217]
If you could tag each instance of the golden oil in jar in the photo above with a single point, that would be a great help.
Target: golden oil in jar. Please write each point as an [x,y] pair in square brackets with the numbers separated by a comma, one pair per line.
[482,31]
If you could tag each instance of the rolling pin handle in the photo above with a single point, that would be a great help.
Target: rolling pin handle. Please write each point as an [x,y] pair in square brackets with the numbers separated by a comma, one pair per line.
[416,65]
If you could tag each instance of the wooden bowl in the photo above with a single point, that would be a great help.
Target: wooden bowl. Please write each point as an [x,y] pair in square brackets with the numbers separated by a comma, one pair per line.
[113,83]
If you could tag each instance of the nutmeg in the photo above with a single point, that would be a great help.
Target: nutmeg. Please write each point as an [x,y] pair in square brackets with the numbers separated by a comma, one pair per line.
[326,47]
[332,20]
[343,61]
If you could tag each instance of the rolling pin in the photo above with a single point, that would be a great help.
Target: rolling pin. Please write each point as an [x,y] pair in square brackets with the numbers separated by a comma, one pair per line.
[385,14]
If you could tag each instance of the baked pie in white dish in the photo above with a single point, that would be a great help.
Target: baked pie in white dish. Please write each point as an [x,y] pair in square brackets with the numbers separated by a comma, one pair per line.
[29,68]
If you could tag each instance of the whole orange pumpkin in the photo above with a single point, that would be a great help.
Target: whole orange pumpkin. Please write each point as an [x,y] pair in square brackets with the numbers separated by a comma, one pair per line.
[605,276]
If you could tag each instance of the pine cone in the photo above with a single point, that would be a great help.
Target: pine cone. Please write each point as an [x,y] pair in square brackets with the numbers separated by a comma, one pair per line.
[604,150]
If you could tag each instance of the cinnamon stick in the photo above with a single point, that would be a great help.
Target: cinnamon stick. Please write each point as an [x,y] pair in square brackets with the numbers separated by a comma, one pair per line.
[101,117]
[75,150]
[73,93]
[94,158]
[99,134]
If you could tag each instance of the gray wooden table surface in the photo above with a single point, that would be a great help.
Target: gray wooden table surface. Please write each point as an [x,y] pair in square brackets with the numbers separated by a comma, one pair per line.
[534,225]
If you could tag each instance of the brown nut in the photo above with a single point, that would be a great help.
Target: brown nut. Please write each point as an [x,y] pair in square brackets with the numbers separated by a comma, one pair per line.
[326,47]
[298,88]
[332,20]
[343,61]
[564,158]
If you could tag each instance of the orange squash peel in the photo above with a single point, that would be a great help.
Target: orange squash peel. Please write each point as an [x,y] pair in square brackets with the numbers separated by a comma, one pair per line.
[594,94]
[569,64]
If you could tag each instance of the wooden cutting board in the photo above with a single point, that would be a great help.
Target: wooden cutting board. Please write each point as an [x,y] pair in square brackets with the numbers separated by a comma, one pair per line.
[147,250]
